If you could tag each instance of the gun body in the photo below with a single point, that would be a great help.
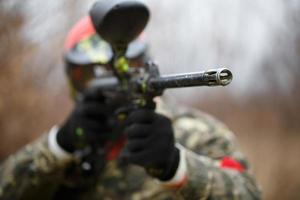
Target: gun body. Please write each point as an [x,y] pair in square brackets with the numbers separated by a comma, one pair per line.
[143,84]
[111,20]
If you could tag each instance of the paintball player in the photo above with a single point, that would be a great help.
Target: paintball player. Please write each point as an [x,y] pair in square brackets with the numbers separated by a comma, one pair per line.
[165,153]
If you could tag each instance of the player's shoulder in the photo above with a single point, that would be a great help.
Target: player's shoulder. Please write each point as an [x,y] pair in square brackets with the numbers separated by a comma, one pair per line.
[200,131]
[192,119]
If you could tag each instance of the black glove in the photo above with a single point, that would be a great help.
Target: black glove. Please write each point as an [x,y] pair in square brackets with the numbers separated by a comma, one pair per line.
[87,125]
[151,143]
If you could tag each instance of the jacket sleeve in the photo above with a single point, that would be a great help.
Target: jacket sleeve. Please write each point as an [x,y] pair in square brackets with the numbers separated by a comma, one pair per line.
[30,169]
[215,167]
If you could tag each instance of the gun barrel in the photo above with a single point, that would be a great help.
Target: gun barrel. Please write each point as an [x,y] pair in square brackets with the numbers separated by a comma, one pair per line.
[215,77]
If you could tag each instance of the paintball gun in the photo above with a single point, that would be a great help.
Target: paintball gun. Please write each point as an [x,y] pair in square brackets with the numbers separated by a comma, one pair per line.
[126,87]
[121,21]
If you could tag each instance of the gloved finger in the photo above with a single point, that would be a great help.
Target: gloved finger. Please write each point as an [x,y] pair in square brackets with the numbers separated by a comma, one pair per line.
[94,109]
[140,116]
[137,145]
[93,126]
[94,137]
[137,131]
[93,96]
[144,158]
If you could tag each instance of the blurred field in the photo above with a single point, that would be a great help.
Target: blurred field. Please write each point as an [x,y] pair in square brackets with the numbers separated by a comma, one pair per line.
[34,95]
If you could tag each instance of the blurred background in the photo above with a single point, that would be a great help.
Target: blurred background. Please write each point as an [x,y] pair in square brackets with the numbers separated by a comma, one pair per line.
[258,40]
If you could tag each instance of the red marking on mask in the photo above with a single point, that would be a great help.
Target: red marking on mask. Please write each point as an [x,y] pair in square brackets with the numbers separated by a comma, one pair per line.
[80,31]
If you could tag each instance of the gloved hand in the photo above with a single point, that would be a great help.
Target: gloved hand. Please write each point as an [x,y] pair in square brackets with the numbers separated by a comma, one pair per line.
[151,143]
[87,124]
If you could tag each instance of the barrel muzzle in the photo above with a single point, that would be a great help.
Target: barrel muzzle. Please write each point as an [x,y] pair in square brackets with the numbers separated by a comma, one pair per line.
[221,76]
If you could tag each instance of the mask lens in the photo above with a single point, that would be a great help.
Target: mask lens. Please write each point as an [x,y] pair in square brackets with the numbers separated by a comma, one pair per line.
[82,75]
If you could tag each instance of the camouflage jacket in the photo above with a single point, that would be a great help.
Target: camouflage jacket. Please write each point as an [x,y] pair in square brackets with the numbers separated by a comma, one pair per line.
[35,173]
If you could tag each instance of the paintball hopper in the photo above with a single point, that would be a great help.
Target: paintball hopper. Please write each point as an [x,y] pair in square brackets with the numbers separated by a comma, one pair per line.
[119,21]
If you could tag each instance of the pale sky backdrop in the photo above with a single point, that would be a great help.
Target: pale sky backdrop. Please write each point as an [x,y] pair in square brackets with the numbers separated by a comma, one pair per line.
[250,37]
